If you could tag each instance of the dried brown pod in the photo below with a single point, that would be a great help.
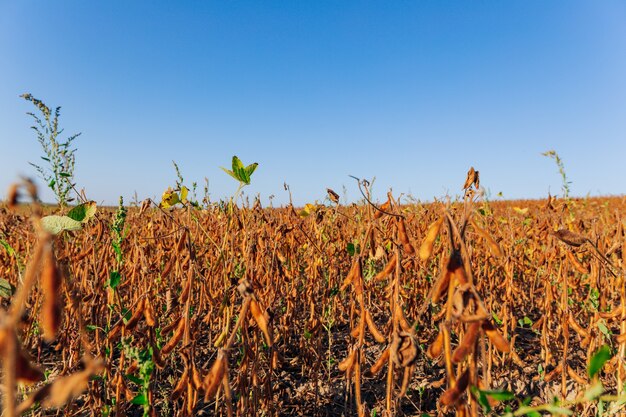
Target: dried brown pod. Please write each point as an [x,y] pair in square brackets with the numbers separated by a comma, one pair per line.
[346,364]
[115,330]
[261,320]
[436,347]
[148,313]
[52,308]
[441,285]
[12,196]
[25,371]
[611,314]
[404,324]
[462,410]
[57,393]
[145,205]
[357,278]
[496,337]
[578,266]
[277,360]
[404,238]
[178,335]
[82,255]
[406,379]
[373,329]
[467,344]
[384,208]
[99,232]
[378,365]
[388,269]
[458,270]
[355,332]
[454,269]
[577,328]
[4,333]
[570,238]
[168,267]
[453,394]
[215,376]
[180,244]
[182,299]
[181,386]
[471,179]
[426,248]
[553,374]
[132,368]
[196,378]
[576,377]
[492,244]
[137,314]
[354,270]
[333,196]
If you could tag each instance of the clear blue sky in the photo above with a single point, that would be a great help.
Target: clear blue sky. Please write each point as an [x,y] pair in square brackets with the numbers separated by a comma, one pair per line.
[410,92]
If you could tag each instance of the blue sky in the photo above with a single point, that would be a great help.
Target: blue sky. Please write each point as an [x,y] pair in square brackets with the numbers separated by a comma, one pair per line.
[412,93]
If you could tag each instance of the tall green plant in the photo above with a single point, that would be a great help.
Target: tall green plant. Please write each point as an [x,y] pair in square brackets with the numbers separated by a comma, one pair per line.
[241,173]
[59,154]
[559,163]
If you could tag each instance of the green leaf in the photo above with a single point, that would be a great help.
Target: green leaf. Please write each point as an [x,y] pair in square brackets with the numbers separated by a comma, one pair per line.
[603,329]
[140,399]
[229,172]
[351,249]
[64,174]
[91,327]
[83,212]
[7,247]
[239,172]
[242,175]
[169,198]
[56,224]
[500,395]
[496,319]
[482,398]
[126,315]
[598,360]
[251,168]
[114,279]
[555,409]
[237,164]
[594,391]
[6,289]
[134,379]
[533,414]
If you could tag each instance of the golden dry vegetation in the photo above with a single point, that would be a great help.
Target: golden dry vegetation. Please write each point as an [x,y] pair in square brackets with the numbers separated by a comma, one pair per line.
[361,310]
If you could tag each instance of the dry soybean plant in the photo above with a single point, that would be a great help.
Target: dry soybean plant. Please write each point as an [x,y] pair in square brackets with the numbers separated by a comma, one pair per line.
[467,307]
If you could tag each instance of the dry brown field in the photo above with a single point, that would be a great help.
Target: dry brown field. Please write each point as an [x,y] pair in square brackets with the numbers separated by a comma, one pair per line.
[416,310]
